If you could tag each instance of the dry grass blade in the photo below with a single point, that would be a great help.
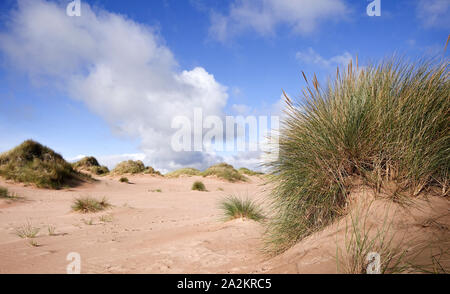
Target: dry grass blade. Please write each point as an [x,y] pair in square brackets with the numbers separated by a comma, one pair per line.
[27,231]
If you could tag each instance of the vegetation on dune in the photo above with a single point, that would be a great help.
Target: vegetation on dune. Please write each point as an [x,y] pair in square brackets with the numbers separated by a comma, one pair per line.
[36,164]
[4,193]
[27,230]
[90,164]
[106,218]
[129,167]
[184,172]
[87,161]
[33,243]
[123,180]
[51,230]
[234,207]
[221,170]
[89,204]
[133,167]
[362,239]
[368,246]
[99,170]
[385,126]
[152,171]
[224,171]
[198,186]
[246,171]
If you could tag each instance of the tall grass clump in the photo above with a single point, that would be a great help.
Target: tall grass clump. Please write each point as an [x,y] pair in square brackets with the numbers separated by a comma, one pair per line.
[198,186]
[234,207]
[33,163]
[89,204]
[385,125]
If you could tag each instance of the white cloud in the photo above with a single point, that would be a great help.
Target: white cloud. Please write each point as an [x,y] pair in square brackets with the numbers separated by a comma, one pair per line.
[120,69]
[434,13]
[241,109]
[251,160]
[263,16]
[76,158]
[310,56]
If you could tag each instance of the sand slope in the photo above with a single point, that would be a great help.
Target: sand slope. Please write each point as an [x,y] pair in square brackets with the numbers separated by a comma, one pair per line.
[422,228]
[174,231]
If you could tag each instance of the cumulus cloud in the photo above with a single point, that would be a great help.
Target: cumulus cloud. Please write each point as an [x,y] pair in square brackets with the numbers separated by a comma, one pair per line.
[263,16]
[120,69]
[434,13]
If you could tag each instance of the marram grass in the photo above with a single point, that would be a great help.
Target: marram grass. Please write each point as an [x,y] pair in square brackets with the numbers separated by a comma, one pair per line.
[225,171]
[198,186]
[31,162]
[184,172]
[234,207]
[89,204]
[386,125]
[90,164]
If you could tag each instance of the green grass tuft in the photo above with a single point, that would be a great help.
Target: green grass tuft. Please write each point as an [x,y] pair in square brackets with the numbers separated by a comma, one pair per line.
[89,204]
[124,180]
[234,207]
[386,125]
[198,186]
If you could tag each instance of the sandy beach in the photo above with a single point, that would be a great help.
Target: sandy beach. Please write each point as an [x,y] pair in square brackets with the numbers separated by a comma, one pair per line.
[173,231]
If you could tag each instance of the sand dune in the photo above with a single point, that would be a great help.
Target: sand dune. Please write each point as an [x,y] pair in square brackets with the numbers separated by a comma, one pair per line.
[173,231]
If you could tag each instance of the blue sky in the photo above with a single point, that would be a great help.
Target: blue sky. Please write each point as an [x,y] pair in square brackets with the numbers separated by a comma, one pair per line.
[75,83]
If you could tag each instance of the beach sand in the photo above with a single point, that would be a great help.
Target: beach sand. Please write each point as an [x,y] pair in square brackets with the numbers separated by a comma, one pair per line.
[173,231]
